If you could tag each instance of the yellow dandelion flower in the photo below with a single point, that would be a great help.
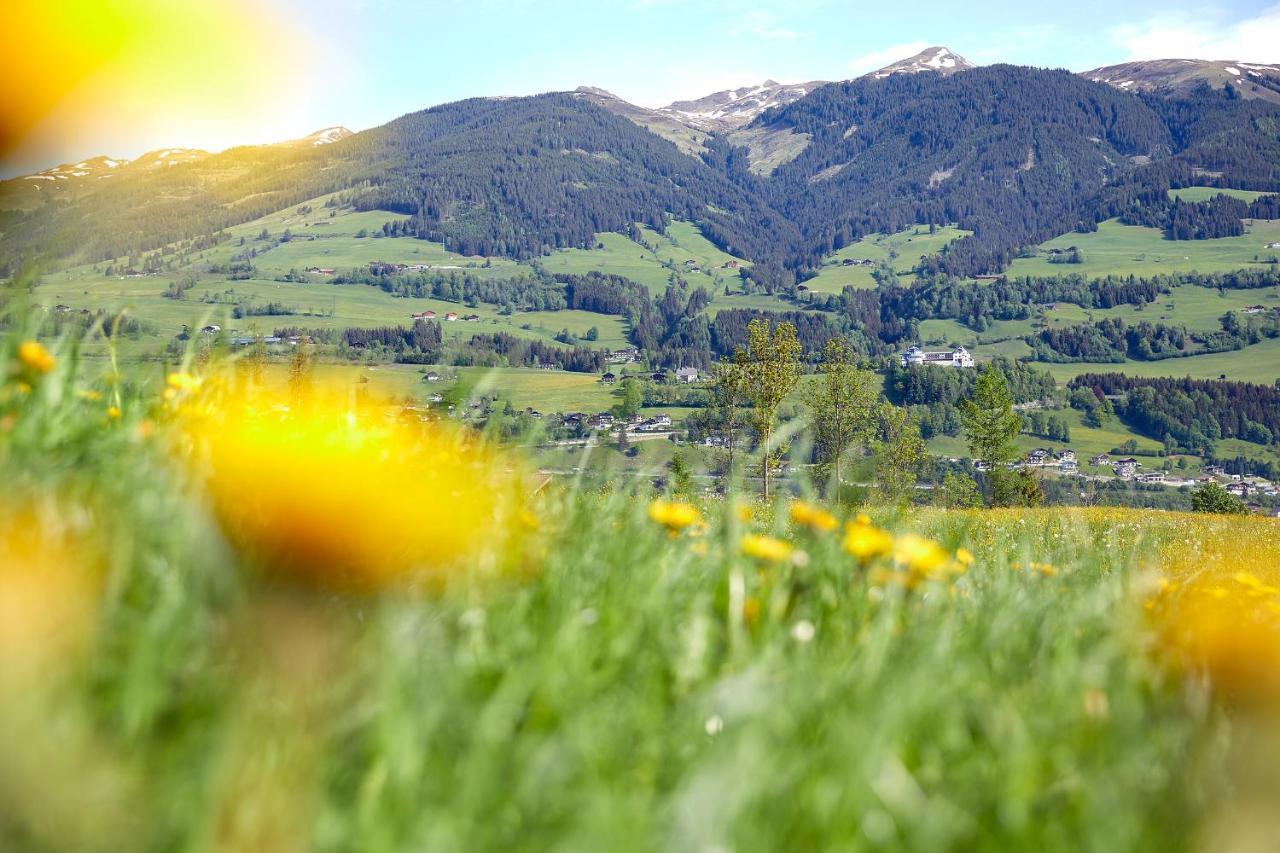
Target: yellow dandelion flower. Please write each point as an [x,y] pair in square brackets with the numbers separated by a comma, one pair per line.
[917,554]
[744,513]
[89,394]
[35,358]
[964,557]
[751,611]
[862,519]
[866,543]
[674,515]
[814,517]
[113,412]
[766,549]
[353,499]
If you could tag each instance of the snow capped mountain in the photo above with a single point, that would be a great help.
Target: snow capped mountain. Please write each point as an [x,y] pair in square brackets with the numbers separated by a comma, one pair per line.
[166,157]
[1182,76]
[325,136]
[939,59]
[735,108]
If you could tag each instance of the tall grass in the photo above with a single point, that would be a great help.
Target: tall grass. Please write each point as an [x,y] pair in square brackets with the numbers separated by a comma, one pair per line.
[618,687]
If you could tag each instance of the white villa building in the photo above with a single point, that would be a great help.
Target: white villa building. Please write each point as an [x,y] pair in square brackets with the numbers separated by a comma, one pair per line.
[958,357]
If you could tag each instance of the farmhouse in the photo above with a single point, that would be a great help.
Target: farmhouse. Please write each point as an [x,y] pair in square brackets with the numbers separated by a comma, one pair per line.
[423,315]
[1038,457]
[958,357]
[609,378]
[1254,309]
[432,376]
[1100,459]
[1068,466]
[1273,245]
[451,317]
[321,270]
[687,374]
[1126,468]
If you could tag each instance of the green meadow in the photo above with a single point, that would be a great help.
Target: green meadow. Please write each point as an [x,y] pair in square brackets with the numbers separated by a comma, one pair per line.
[1116,249]
[902,251]
[1206,193]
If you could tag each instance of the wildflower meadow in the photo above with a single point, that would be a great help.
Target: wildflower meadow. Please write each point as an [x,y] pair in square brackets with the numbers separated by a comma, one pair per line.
[241,619]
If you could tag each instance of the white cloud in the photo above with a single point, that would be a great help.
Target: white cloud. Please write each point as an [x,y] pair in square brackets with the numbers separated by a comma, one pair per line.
[1180,36]
[762,24]
[878,59]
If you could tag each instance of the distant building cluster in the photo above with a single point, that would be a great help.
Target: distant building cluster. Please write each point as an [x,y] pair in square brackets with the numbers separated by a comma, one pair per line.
[958,357]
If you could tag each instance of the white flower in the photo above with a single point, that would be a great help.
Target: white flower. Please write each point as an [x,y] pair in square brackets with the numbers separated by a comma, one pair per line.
[803,631]
[714,725]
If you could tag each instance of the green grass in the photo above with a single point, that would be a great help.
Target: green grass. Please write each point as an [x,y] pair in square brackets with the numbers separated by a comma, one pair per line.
[1206,193]
[621,689]
[1259,363]
[1116,249]
[902,251]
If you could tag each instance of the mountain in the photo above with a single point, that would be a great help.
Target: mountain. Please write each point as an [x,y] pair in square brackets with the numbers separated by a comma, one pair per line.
[734,108]
[326,136]
[1183,76]
[938,59]
[685,135]
[1016,155]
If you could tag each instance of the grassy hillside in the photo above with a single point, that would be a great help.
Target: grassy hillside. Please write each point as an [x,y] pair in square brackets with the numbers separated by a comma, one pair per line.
[902,251]
[1206,193]
[1116,249]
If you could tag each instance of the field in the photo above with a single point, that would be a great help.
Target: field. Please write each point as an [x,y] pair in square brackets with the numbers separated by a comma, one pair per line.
[902,251]
[1116,249]
[1206,193]
[238,619]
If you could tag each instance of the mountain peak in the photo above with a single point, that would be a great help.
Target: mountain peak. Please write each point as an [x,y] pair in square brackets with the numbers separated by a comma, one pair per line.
[1182,76]
[940,59]
[733,108]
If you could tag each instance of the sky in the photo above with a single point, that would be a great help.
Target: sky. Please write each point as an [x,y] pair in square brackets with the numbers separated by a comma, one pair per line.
[120,77]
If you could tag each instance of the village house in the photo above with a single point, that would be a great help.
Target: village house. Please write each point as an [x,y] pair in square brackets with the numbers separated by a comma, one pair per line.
[626,355]
[1067,455]
[1254,309]
[1068,466]
[604,420]
[1126,468]
[1038,457]
[729,265]
[423,315]
[321,270]
[713,441]
[1273,245]
[1214,470]
[958,357]
[981,465]
[432,376]
[1152,478]
[687,375]
[609,378]
[1100,459]
[211,329]
[451,317]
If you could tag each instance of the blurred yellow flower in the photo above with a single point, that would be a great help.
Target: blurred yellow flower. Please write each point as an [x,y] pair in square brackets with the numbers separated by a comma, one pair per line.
[743,513]
[113,412]
[35,358]
[350,498]
[865,543]
[918,555]
[767,549]
[674,515]
[964,557]
[814,517]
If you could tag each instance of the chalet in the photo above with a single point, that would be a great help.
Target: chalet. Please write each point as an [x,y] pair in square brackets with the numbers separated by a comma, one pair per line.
[1068,466]
[321,270]
[981,465]
[1152,478]
[609,378]
[451,317]
[713,441]
[1039,457]
[384,268]
[604,420]
[1273,245]
[1214,470]
[1254,309]
[1100,459]
[211,329]
[1240,490]
[1067,455]
[729,265]
[690,264]
[626,355]
[432,376]
[662,420]
[687,375]
[472,318]
[423,315]
[958,357]
[1126,468]
[802,288]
